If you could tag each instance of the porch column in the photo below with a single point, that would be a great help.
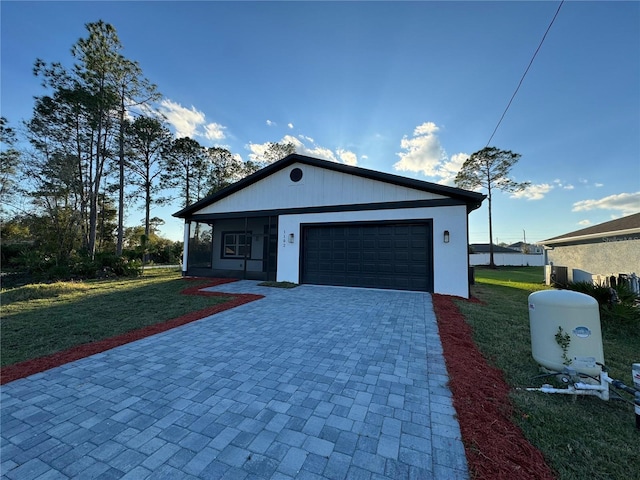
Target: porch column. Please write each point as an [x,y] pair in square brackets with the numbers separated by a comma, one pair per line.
[185,247]
[246,226]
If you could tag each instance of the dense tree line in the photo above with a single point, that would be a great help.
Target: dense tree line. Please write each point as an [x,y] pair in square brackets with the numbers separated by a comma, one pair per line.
[96,144]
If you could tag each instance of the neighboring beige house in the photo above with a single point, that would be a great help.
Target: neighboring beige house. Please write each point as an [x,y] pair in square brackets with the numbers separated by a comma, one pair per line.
[603,250]
[527,248]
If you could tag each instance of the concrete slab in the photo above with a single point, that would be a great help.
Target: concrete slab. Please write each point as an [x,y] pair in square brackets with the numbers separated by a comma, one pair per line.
[310,382]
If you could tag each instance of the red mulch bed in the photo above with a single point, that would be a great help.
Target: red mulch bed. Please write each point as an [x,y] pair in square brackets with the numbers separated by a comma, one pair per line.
[37,365]
[496,448]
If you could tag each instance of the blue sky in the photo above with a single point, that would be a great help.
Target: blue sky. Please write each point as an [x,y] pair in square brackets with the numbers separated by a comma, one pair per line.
[410,88]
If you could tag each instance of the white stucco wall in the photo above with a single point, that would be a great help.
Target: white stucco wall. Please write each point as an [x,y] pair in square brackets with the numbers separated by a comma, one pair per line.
[603,258]
[450,260]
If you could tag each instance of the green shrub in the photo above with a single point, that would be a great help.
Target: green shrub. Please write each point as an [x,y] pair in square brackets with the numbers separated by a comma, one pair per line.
[112,265]
[626,295]
[10,254]
[81,266]
[622,315]
[43,268]
[36,263]
[126,268]
[621,311]
[601,293]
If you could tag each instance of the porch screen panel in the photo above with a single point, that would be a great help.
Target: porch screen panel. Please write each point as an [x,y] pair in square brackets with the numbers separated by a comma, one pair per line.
[200,245]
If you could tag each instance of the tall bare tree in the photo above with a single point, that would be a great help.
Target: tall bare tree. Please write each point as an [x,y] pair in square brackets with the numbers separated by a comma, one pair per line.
[9,161]
[86,110]
[185,168]
[489,168]
[147,139]
[276,151]
[97,58]
[62,135]
[224,167]
[134,91]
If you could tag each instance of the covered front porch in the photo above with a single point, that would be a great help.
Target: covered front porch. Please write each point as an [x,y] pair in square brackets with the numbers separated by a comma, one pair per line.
[225,246]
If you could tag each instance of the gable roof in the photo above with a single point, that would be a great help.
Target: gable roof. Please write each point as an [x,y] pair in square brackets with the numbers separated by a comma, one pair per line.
[620,226]
[472,199]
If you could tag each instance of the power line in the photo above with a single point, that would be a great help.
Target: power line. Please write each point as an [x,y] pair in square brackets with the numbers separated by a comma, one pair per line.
[525,73]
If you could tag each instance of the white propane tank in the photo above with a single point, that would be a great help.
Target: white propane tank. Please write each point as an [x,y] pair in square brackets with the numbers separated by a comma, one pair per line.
[563,315]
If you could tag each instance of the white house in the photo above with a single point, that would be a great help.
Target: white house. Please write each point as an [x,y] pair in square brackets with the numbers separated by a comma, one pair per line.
[306,220]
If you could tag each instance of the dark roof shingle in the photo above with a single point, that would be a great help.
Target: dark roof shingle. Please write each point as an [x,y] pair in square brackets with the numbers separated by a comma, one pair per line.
[620,224]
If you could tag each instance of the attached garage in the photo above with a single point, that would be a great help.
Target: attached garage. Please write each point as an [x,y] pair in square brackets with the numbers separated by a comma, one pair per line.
[311,221]
[375,255]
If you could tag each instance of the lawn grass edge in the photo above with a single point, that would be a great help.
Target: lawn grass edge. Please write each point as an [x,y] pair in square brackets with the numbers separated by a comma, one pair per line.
[495,446]
[16,371]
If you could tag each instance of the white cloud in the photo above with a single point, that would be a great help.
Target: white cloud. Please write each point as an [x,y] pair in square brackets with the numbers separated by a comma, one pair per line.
[270,123]
[626,203]
[584,223]
[569,186]
[448,170]
[190,122]
[348,158]
[184,120]
[306,146]
[533,192]
[214,131]
[563,185]
[427,128]
[423,152]
[312,150]
[290,125]
[257,150]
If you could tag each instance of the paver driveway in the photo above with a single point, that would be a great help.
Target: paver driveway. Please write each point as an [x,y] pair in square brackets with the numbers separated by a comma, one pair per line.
[312,382]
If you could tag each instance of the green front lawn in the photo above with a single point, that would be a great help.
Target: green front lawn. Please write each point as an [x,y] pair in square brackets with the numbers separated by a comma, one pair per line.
[583,437]
[41,319]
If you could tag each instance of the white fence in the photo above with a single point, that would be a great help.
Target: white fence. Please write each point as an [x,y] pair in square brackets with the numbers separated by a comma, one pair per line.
[515,259]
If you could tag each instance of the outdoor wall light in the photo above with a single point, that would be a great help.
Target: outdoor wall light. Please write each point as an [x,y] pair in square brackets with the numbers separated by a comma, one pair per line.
[446,236]
[291,238]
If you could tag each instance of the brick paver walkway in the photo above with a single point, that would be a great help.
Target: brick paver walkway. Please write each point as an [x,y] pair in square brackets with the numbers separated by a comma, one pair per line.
[307,383]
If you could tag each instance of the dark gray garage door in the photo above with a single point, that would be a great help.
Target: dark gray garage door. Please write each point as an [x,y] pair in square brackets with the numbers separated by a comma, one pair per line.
[376,255]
